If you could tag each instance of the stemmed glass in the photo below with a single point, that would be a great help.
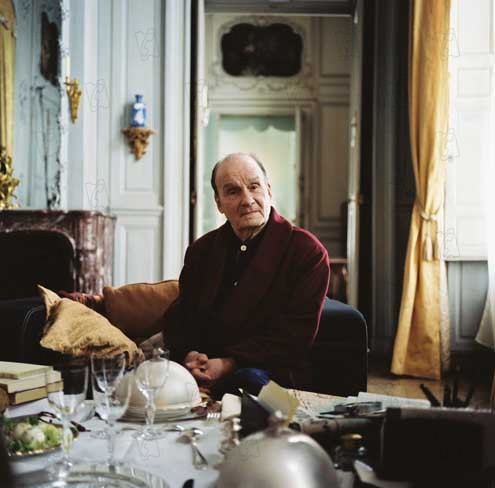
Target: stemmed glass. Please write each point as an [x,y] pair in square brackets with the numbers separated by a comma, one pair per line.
[113,383]
[151,376]
[98,398]
[66,404]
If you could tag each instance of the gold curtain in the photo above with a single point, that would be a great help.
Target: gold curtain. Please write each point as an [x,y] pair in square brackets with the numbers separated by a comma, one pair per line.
[7,77]
[418,340]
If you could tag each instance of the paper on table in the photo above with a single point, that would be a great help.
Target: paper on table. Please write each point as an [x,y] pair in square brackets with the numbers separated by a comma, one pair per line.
[278,398]
[231,406]
[392,401]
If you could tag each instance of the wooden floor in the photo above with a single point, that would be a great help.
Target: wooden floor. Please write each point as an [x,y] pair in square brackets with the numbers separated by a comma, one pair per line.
[380,380]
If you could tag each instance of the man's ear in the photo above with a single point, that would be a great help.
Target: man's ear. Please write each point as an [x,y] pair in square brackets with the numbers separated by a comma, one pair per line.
[269,190]
[219,205]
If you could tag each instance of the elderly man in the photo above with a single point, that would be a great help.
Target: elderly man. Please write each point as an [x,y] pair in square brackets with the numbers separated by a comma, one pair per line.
[251,291]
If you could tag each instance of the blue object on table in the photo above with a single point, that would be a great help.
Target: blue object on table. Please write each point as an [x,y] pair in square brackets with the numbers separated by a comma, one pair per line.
[138,112]
[248,379]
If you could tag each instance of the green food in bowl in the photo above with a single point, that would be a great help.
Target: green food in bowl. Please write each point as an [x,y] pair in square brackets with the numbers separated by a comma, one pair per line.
[30,435]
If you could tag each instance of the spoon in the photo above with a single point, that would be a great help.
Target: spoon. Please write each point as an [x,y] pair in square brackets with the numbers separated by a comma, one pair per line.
[199,461]
[175,428]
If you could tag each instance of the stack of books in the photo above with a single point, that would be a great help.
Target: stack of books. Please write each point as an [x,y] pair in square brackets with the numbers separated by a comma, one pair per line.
[27,382]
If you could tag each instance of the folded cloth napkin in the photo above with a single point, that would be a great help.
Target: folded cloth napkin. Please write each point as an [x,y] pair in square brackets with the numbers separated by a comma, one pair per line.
[231,406]
[72,328]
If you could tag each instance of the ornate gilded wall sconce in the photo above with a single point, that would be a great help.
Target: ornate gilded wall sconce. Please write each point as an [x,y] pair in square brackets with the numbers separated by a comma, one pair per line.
[74,94]
[7,181]
[137,137]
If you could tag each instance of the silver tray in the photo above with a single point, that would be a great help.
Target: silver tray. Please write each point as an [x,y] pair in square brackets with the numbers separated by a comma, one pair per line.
[94,476]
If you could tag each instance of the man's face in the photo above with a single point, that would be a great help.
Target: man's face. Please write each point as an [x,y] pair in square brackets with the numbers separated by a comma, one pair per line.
[244,196]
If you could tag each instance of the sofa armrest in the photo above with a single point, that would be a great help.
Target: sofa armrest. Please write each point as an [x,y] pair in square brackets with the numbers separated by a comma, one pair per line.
[339,356]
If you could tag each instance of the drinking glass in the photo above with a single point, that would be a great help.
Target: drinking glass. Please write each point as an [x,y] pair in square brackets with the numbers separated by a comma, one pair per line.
[66,403]
[113,383]
[151,375]
[98,398]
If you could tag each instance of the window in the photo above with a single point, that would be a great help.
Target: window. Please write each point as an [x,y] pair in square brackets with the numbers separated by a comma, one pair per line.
[465,146]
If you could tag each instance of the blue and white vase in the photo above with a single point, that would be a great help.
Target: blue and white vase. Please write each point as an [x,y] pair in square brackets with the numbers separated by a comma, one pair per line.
[138,112]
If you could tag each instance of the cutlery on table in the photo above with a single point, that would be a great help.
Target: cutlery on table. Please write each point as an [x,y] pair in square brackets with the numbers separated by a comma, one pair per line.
[192,435]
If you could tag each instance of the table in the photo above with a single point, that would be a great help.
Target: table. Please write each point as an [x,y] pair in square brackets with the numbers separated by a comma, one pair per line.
[168,457]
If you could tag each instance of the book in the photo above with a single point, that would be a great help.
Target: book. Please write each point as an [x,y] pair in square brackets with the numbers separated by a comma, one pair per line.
[33,394]
[21,370]
[29,382]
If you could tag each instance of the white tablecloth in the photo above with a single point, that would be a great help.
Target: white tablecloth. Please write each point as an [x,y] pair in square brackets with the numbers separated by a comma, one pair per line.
[168,457]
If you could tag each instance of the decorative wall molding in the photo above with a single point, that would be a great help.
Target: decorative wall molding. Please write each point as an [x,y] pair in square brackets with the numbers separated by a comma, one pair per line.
[468,284]
[315,7]
[221,84]
[138,248]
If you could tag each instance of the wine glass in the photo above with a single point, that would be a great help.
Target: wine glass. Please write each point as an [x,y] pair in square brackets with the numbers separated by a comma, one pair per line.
[151,375]
[98,398]
[66,403]
[112,392]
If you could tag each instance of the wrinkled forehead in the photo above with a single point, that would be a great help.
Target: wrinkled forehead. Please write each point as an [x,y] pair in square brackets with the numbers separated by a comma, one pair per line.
[238,169]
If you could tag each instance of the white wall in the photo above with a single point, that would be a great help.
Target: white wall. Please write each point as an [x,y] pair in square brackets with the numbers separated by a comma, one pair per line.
[120,48]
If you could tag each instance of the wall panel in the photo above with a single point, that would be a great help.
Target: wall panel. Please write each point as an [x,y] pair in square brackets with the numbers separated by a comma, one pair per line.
[138,248]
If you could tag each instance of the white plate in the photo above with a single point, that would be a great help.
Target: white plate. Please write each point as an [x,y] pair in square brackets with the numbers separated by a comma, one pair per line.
[162,413]
[141,412]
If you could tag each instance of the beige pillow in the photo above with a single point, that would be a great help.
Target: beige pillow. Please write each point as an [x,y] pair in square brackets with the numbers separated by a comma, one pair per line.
[74,329]
[137,309]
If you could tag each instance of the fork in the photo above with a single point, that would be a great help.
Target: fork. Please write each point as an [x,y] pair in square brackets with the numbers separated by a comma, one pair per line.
[213,416]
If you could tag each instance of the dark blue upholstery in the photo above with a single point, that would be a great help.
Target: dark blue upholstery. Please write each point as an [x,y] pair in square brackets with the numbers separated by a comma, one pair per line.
[21,326]
[338,359]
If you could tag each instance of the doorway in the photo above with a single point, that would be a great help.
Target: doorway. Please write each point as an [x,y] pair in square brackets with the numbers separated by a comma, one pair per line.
[303,125]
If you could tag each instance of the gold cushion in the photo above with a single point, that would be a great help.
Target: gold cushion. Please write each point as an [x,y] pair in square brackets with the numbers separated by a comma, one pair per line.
[137,309]
[74,329]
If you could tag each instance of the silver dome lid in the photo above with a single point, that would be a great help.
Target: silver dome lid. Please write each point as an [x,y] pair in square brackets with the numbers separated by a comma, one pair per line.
[277,457]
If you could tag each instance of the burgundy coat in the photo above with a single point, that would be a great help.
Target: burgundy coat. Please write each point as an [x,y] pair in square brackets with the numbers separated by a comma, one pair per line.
[270,319]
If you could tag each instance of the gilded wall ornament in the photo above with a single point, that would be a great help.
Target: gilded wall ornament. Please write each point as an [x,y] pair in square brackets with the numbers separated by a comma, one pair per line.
[8,183]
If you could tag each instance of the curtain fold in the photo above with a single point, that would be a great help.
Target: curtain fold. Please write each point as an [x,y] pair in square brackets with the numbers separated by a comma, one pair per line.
[418,343]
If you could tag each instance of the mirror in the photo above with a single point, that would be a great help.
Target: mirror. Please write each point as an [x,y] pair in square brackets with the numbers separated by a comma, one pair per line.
[37,92]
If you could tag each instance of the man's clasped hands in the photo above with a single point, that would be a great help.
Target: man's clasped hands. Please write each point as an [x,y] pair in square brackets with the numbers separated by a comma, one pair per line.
[206,371]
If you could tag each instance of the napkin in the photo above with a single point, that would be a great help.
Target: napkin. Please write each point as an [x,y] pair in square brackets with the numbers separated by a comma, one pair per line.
[278,398]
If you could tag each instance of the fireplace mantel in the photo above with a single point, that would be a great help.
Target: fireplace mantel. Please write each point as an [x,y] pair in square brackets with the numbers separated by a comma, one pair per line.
[90,233]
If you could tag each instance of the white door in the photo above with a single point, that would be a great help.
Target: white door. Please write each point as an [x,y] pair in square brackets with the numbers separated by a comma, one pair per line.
[354,158]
